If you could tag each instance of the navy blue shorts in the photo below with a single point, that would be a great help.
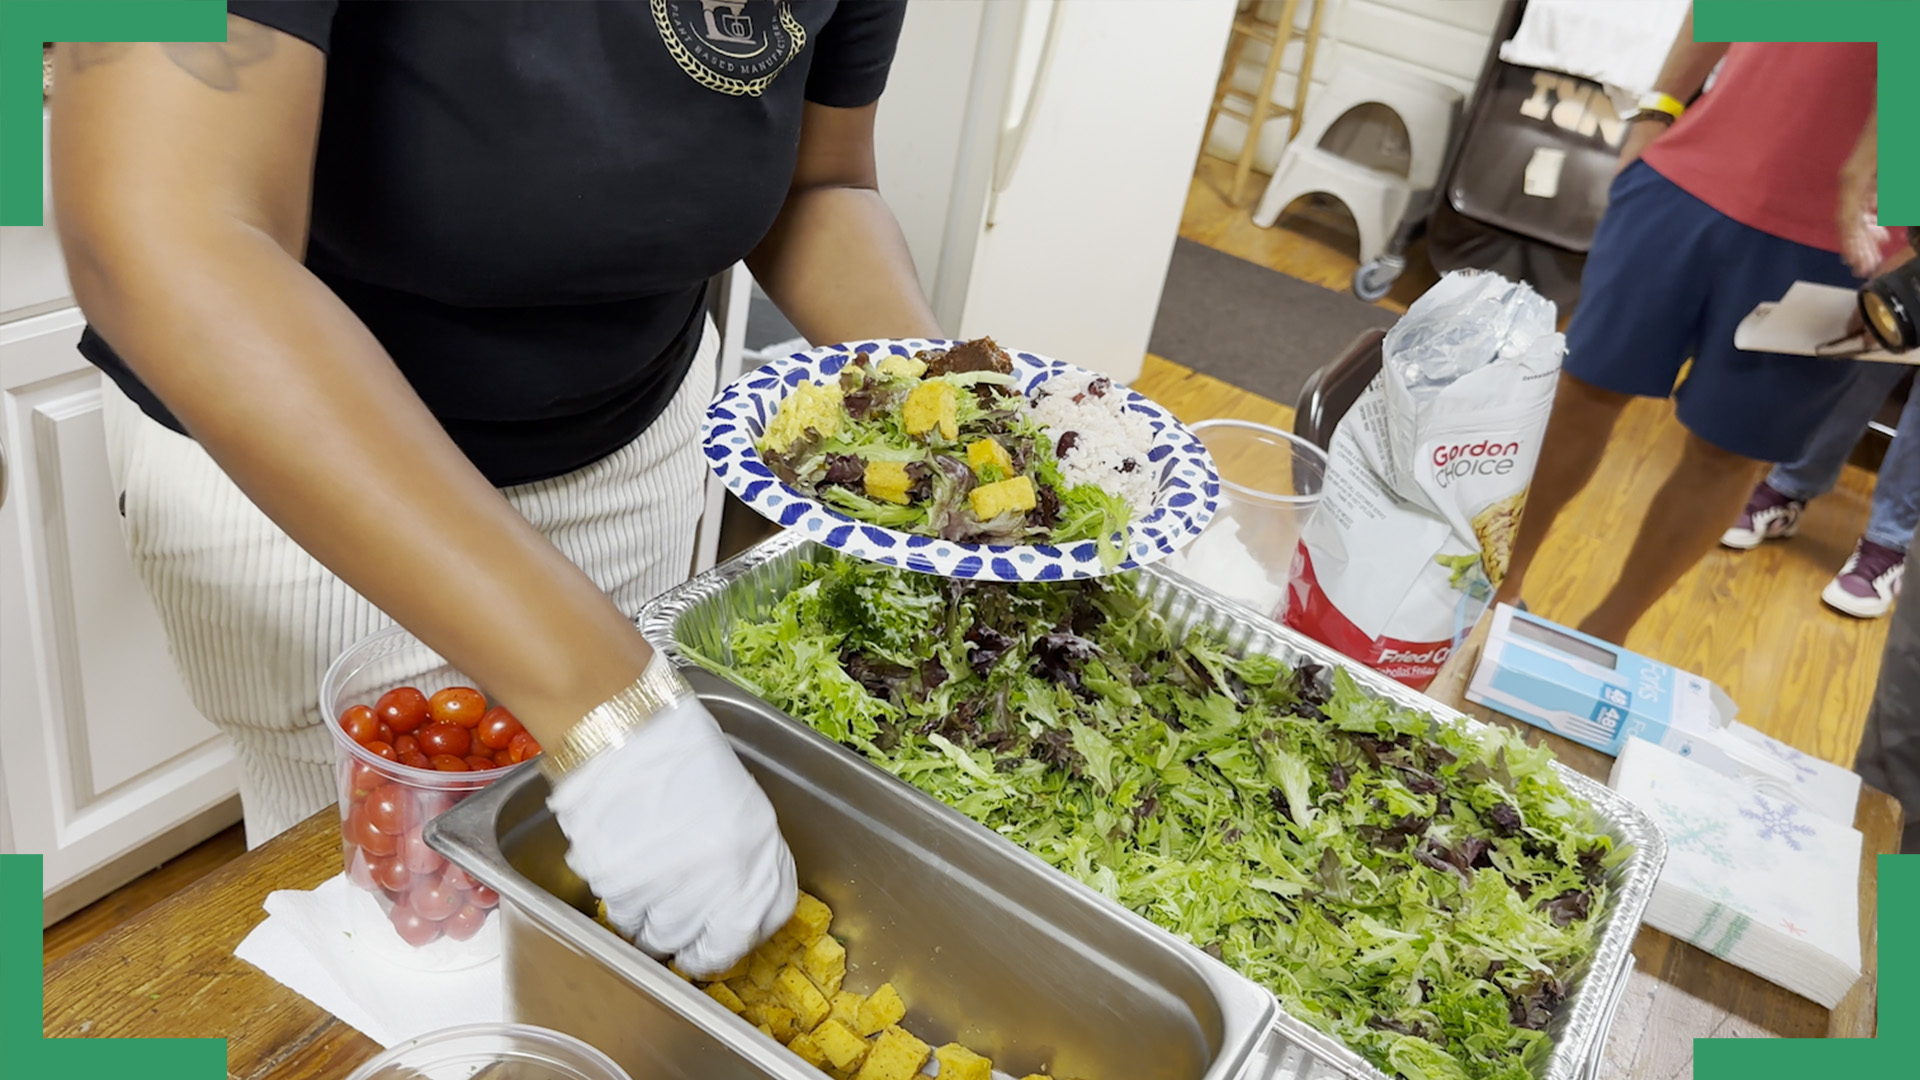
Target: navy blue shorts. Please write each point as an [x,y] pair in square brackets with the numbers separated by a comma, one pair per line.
[1670,277]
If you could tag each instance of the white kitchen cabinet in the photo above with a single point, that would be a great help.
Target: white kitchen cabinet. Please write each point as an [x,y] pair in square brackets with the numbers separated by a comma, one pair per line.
[106,768]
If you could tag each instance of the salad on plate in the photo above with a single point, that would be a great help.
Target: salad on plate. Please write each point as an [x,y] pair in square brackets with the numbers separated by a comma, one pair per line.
[943,444]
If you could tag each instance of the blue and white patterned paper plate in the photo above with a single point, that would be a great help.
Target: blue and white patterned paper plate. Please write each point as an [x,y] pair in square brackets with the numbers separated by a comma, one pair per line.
[1188,493]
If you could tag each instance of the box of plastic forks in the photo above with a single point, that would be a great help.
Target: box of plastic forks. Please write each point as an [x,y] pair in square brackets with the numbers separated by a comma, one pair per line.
[1594,692]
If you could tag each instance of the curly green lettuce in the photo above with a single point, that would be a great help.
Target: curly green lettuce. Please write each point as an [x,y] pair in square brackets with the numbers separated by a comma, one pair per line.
[1421,891]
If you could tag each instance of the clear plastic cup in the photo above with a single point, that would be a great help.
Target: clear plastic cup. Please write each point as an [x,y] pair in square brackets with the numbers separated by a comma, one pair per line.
[502,1051]
[1270,485]
[384,804]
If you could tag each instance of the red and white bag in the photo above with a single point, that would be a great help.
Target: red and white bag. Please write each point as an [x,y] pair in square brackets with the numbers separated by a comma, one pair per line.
[1427,476]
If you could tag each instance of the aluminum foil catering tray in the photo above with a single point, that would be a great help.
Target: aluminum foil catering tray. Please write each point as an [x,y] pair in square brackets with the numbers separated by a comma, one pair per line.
[702,613]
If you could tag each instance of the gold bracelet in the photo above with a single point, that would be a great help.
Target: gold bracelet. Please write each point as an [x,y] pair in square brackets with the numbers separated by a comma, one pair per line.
[657,689]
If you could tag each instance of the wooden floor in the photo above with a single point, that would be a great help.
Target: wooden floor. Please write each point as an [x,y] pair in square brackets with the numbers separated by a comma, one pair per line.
[1751,621]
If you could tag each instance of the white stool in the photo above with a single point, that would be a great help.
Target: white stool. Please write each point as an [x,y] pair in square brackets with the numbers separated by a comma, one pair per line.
[1377,199]
[1425,107]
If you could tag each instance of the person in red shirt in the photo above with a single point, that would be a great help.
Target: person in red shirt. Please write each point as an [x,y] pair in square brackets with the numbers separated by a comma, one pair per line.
[1709,215]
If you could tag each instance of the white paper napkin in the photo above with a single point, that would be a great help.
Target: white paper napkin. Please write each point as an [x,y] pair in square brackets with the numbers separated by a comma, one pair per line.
[1758,881]
[335,947]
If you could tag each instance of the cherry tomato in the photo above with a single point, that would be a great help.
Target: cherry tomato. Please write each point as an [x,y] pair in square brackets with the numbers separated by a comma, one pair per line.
[403,709]
[361,831]
[420,858]
[360,724]
[445,739]
[522,746]
[482,897]
[386,808]
[449,763]
[364,778]
[392,873]
[479,762]
[458,878]
[436,900]
[461,705]
[359,870]
[498,728]
[405,744]
[385,734]
[502,758]
[414,929]
[465,923]
[414,759]
[383,749]
[428,805]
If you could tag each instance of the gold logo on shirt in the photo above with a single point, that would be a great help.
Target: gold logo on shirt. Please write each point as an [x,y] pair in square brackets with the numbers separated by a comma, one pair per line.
[735,47]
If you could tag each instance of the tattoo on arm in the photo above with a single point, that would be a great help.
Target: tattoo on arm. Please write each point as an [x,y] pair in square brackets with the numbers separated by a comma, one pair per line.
[215,63]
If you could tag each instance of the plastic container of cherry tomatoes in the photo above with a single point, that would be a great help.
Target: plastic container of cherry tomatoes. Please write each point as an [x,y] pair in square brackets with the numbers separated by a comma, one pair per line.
[521,1051]
[388,700]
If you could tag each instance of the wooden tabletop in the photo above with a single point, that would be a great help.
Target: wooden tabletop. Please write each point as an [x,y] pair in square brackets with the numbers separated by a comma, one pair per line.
[1678,992]
[171,970]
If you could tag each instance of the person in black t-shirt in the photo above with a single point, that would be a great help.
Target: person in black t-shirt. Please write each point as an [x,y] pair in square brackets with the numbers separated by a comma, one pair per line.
[403,308]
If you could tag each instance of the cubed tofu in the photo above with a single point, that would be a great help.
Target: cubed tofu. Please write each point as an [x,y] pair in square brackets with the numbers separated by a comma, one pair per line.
[896,1055]
[809,406]
[888,481]
[931,405]
[747,990]
[825,962]
[777,1017]
[844,1048]
[803,1044]
[982,453]
[811,916]
[901,365]
[763,967]
[959,1063]
[846,1009]
[794,990]
[724,994]
[882,1009]
[989,501]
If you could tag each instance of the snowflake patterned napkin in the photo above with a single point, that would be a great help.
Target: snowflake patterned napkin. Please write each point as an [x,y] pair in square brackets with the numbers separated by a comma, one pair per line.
[1756,880]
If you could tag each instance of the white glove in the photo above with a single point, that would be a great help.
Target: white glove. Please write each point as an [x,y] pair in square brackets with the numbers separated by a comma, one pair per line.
[673,833]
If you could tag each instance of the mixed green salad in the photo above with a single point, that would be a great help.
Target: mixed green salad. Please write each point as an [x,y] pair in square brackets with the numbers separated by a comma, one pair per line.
[1421,891]
[938,444]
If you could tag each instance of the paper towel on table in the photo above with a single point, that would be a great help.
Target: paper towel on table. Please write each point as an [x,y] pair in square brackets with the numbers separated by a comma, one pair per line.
[1759,882]
[335,947]
[1821,786]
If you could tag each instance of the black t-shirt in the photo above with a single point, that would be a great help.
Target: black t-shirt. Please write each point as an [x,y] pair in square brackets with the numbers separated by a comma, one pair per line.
[523,200]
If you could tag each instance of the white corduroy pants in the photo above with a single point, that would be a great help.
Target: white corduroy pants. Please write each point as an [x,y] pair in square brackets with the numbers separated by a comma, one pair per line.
[253,621]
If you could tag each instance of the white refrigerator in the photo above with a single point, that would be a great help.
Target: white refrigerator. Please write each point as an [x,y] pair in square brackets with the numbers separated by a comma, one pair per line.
[1038,155]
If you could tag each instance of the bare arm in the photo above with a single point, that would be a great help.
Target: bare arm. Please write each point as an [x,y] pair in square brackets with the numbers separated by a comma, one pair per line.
[1682,75]
[835,261]
[182,178]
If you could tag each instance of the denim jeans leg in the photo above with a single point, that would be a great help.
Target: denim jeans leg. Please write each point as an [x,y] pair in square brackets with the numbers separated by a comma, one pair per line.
[1896,492]
[1819,468]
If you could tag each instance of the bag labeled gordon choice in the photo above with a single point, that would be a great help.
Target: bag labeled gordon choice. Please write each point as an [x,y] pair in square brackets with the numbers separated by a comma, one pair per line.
[1427,476]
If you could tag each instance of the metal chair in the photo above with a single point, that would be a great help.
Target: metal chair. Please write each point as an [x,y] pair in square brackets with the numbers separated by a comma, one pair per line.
[1332,390]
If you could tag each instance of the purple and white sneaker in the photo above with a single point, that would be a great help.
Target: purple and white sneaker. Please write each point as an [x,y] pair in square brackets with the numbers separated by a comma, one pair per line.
[1769,516]
[1865,588]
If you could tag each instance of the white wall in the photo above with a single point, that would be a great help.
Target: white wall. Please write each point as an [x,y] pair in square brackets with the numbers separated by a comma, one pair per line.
[1074,265]
[1444,40]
